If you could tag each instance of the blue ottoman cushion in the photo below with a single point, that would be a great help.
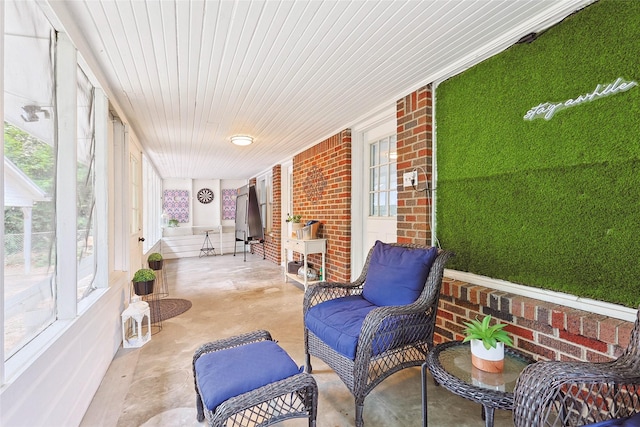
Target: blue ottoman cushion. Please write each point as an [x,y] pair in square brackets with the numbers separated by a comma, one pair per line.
[338,322]
[224,374]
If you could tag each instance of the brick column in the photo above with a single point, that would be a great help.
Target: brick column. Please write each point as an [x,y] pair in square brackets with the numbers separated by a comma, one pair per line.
[272,240]
[322,191]
[415,142]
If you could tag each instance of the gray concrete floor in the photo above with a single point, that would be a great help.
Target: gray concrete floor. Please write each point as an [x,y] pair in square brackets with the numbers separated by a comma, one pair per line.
[153,385]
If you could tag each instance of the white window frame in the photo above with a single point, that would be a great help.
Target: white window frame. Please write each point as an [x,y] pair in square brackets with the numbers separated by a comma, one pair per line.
[391,175]
[264,187]
[68,307]
[151,204]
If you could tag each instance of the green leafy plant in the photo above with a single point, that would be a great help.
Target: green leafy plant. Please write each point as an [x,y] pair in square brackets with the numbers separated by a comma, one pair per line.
[294,218]
[489,335]
[173,222]
[155,256]
[144,275]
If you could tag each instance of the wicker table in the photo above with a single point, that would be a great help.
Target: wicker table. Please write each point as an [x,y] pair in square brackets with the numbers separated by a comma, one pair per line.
[450,365]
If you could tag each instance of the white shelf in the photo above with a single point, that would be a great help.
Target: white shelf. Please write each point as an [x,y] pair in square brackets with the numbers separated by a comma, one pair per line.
[304,247]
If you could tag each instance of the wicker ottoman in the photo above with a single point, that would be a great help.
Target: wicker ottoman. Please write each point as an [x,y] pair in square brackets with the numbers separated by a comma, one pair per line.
[250,380]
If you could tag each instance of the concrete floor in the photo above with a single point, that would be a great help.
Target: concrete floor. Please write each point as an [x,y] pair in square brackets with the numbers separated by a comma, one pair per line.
[152,386]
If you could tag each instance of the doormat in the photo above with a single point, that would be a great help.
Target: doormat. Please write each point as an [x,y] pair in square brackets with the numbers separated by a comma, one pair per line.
[169,307]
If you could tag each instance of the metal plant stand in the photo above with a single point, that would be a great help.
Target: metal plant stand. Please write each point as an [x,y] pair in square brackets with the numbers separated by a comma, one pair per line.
[207,246]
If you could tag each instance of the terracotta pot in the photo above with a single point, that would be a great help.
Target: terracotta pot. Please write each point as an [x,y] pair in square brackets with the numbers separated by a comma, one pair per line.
[491,360]
[143,288]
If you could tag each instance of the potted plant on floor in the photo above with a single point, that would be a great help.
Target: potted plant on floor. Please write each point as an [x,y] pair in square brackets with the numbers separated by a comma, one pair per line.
[143,280]
[155,261]
[487,344]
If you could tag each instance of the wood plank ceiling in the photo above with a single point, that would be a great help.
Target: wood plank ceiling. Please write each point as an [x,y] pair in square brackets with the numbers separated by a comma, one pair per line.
[189,74]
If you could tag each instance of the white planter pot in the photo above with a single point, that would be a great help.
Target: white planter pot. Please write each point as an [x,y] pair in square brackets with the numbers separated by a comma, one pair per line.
[292,227]
[491,360]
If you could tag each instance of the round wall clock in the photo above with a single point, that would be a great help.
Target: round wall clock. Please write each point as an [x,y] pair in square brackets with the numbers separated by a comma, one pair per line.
[205,196]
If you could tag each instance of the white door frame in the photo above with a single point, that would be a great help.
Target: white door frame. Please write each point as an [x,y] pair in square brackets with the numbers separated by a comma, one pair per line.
[135,245]
[286,204]
[359,191]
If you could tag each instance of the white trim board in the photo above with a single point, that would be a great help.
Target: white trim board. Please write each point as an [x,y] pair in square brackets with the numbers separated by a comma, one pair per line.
[599,307]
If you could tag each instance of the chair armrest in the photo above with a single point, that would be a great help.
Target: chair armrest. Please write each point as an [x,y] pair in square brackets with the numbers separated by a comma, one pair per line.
[384,326]
[325,291]
[551,390]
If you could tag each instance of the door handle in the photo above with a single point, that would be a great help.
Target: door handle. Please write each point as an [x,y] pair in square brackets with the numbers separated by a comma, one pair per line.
[140,239]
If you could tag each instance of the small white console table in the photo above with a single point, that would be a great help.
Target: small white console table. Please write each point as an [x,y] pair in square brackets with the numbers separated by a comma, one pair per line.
[304,247]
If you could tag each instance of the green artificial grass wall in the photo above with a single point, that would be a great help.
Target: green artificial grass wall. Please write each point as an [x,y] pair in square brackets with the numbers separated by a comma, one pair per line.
[547,203]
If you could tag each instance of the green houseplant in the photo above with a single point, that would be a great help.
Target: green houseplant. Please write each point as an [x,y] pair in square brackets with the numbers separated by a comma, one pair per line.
[293,224]
[155,261]
[487,343]
[143,280]
[294,218]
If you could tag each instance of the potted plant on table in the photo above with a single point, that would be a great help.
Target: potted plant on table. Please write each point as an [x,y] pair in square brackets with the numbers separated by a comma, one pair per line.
[143,280]
[155,261]
[293,224]
[487,344]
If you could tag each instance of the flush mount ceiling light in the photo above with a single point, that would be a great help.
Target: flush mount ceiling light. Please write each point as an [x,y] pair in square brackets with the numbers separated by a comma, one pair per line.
[241,140]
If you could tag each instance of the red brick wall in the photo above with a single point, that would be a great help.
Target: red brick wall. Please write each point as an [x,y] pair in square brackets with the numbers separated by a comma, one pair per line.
[273,239]
[327,167]
[415,143]
[545,330]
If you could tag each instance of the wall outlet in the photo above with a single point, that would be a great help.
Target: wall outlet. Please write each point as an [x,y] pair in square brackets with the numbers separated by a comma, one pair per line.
[410,179]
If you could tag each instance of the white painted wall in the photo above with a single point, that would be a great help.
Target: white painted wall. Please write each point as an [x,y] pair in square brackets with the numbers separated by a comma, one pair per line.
[208,214]
[58,386]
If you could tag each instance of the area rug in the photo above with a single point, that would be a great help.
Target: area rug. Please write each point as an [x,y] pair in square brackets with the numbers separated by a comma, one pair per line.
[168,308]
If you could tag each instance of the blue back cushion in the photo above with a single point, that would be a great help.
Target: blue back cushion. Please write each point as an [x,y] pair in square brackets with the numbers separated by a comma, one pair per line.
[338,322]
[633,421]
[231,372]
[396,275]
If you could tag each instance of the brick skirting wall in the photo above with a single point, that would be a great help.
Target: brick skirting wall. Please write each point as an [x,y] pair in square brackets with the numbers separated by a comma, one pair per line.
[544,330]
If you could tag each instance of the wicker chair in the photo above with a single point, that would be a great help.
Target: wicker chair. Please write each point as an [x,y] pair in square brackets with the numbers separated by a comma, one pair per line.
[553,393]
[391,338]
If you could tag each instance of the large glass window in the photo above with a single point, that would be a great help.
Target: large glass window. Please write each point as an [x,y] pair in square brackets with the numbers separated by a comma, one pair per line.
[265,198]
[383,179]
[85,174]
[29,175]
[49,139]
[152,204]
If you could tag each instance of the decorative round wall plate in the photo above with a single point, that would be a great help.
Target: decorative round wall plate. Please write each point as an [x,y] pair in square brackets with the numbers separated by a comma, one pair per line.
[205,196]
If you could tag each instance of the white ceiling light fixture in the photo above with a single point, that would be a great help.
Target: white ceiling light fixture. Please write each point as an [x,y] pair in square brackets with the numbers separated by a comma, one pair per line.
[242,140]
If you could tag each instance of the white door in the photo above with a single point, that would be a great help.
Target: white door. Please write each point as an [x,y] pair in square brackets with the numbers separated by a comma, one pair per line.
[380,190]
[135,208]
[373,185]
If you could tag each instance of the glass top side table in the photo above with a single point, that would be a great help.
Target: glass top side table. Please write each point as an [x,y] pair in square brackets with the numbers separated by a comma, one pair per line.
[450,365]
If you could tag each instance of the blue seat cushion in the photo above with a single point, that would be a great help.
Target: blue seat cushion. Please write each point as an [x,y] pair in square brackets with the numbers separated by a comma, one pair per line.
[338,322]
[397,275]
[231,372]
[633,421]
